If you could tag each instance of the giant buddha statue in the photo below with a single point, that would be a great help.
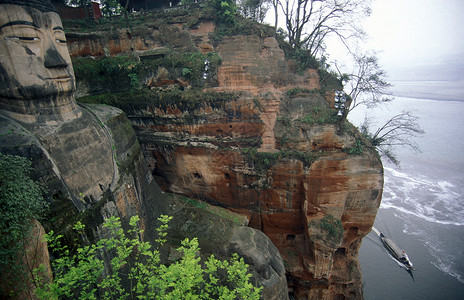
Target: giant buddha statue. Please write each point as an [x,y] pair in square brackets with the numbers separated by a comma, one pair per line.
[37,86]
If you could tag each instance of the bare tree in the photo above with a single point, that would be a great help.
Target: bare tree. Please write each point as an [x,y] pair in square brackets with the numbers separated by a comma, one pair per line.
[254,9]
[310,22]
[366,85]
[275,5]
[399,130]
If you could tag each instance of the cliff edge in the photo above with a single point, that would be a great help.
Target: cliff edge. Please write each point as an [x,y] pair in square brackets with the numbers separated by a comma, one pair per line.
[230,120]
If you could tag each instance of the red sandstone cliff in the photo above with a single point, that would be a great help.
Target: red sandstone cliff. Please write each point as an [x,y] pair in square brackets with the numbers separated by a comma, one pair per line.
[274,155]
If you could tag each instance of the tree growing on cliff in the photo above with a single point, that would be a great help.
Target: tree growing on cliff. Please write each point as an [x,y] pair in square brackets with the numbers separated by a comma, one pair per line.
[400,130]
[226,10]
[367,85]
[253,9]
[136,271]
[310,22]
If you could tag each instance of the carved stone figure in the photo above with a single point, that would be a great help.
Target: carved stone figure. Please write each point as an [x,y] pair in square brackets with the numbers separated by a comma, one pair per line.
[37,88]
[36,76]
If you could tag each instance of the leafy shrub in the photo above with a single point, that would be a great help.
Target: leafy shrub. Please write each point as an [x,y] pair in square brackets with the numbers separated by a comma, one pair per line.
[188,100]
[357,148]
[298,90]
[333,227]
[285,120]
[124,72]
[114,74]
[226,10]
[20,201]
[320,115]
[304,60]
[136,270]
[307,119]
[262,161]
[241,26]
[329,229]
[329,80]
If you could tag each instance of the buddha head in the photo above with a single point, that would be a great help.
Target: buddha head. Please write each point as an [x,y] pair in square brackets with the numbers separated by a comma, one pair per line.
[36,76]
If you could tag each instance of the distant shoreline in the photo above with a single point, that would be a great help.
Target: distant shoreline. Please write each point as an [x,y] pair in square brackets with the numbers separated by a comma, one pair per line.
[427,97]
[430,90]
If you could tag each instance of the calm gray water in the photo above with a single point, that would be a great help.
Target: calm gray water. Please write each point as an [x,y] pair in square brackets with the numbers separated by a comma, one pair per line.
[422,208]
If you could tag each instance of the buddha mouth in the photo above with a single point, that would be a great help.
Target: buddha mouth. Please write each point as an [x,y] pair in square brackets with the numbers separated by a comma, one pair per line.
[60,78]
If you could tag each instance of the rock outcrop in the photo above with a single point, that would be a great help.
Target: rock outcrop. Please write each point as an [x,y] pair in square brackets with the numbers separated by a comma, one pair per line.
[269,147]
[88,158]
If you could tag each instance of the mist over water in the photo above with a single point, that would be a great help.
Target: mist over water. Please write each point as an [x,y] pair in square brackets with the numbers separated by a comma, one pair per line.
[422,207]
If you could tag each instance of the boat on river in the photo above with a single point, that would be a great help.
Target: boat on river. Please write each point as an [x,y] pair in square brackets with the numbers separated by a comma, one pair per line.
[398,253]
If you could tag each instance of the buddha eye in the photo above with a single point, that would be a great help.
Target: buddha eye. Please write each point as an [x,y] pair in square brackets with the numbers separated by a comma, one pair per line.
[23,38]
[60,37]
[60,41]
[28,38]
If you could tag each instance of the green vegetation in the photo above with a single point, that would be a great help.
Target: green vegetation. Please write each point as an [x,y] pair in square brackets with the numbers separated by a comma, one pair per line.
[20,201]
[297,90]
[262,161]
[219,211]
[302,58]
[188,100]
[241,26]
[285,120]
[126,72]
[357,148]
[114,74]
[257,104]
[136,271]
[225,10]
[111,8]
[187,65]
[320,115]
[332,227]
[329,80]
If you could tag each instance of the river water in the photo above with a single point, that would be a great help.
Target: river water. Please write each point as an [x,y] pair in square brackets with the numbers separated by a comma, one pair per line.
[422,208]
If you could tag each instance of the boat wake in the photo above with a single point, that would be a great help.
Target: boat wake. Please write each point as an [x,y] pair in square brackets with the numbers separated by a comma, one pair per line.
[434,201]
[438,202]
[438,245]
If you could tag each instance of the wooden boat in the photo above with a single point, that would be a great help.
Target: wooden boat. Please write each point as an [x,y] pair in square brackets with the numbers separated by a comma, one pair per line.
[398,253]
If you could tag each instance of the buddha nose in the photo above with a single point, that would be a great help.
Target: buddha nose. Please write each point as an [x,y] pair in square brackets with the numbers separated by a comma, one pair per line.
[53,58]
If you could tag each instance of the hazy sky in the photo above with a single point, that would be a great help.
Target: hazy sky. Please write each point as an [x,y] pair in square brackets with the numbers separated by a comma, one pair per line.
[411,32]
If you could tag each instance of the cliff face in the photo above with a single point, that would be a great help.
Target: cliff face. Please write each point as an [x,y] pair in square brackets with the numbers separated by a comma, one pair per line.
[273,151]
[125,190]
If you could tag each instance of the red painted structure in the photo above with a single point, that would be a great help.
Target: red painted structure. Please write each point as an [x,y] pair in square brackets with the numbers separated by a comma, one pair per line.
[148,4]
[79,13]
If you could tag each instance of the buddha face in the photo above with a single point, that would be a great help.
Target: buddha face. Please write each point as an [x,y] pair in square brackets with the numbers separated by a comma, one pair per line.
[34,59]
